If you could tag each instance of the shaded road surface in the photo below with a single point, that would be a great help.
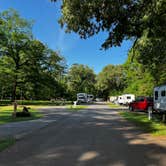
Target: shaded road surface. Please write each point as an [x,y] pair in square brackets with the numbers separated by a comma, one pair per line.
[96,136]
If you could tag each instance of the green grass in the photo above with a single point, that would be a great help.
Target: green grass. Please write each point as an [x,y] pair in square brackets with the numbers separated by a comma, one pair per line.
[111,105]
[154,126]
[6,115]
[6,143]
[76,108]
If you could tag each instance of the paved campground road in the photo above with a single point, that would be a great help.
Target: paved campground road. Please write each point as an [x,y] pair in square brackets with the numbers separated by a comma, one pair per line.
[97,136]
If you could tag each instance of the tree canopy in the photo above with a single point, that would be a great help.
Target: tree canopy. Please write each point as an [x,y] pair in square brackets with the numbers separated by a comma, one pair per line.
[122,19]
[81,78]
[27,65]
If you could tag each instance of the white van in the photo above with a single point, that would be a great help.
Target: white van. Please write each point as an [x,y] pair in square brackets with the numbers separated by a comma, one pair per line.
[128,98]
[160,98]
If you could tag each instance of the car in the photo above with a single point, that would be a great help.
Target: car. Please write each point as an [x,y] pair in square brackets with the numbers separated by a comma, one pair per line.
[142,103]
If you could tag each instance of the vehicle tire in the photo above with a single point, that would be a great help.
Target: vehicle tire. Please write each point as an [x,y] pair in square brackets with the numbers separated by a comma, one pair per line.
[131,108]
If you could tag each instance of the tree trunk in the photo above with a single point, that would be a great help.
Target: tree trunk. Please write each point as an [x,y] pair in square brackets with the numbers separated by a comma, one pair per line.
[14,89]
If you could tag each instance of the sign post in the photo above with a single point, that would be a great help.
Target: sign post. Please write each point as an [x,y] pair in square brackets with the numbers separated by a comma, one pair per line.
[149,113]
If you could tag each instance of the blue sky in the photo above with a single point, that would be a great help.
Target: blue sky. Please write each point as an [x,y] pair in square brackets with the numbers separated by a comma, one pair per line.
[75,50]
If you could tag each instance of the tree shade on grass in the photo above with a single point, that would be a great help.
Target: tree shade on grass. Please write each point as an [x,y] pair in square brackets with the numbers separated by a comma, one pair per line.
[154,126]
[6,115]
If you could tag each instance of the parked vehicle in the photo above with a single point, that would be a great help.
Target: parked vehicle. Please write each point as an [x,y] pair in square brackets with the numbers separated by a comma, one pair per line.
[120,100]
[99,99]
[90,98]
[126,99]
[160,98]
[82,97]
[113,99]
[141,103]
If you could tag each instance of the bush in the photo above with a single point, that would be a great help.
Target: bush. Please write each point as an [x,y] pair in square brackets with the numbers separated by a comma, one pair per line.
[41,102]
[36,102]
[5,102]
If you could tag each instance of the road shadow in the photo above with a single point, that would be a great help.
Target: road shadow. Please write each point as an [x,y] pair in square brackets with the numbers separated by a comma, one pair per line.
[93,137]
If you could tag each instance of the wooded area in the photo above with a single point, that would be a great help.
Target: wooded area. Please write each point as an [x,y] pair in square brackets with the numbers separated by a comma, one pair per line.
[31,70]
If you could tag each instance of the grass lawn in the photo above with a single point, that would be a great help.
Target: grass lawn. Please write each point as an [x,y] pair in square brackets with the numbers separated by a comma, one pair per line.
[76,108]
[154,126]
[111,105]
[6,114]
[6,143]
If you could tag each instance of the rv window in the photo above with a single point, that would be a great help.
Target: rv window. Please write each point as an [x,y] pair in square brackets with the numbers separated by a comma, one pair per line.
[156,95]
[128,97]
[163,93]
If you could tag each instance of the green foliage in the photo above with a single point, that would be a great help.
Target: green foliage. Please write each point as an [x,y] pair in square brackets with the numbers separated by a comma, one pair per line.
[81,79]
[138,79]
[41,102]
[28,68]
[110,81]
[120,19]
[143,20]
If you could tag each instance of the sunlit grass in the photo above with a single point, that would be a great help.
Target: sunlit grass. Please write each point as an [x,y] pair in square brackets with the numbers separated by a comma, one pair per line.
[76,107]
[6,114]
[112,105]
[154,126]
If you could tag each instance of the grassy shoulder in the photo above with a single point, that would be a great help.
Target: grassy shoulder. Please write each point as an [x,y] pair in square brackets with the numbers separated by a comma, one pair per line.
[112,105]
[36,102]
[6,143]
[154,126]
[6,114]
[76,108]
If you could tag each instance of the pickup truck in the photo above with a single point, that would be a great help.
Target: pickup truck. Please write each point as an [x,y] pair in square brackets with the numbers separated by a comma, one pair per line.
[141,103]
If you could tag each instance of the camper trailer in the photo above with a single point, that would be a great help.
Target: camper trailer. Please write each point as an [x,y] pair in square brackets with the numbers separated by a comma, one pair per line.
[90,98]
[120,100]
[126,99]
[113,99]
[160,98]
[82,97]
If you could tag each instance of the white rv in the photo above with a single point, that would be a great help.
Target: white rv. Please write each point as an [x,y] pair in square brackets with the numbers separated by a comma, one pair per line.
[82,97]
[120,100]
[126,99]
[160,98]
[113,99]
[90,98]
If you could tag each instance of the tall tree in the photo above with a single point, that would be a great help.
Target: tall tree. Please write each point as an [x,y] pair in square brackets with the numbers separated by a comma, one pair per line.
[16,33]
[139,80]
[122,19]
[81,78]
[111,80]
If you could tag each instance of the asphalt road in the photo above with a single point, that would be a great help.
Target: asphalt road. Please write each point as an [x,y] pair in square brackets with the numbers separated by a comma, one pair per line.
[97,136]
